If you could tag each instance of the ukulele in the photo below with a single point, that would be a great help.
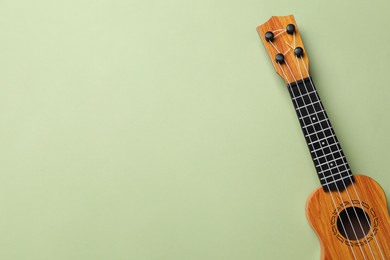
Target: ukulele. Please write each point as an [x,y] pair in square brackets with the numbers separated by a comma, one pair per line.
[349,212]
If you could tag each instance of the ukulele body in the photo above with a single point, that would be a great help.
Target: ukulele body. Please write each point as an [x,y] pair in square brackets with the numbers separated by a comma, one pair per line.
[366,198]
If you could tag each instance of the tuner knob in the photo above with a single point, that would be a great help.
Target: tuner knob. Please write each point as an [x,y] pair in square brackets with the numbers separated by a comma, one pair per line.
[279,58]
[269,36]
[290,28]
[298,51]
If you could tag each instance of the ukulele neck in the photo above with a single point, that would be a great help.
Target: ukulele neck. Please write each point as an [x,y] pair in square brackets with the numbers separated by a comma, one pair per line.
[329,160]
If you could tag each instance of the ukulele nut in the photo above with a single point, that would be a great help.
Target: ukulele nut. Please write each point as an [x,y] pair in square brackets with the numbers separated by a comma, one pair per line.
[279,58]
[290,28]
[269,36]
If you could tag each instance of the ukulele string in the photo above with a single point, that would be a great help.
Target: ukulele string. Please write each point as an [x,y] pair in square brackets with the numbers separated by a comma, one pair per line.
[353,185]
[369,223]
[278,30]
[280,33]
[294,40]
[337,167]
[333,200]
[334,180]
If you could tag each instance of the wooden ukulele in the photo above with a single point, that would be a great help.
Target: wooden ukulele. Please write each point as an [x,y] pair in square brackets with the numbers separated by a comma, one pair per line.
[349,213]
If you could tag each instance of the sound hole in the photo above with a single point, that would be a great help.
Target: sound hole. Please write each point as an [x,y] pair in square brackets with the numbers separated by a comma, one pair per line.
[357,230]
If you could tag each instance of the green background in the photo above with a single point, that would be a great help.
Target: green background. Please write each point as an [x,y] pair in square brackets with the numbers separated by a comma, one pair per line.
[159,129]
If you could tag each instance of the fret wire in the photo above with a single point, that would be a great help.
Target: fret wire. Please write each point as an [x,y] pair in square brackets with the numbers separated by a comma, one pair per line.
[337,178]
[319,140]
[326,119]
[305,95]
[315,112]
[322,130]
[327,183]
[328,146]
[298,89]
[318,101]
[334,167]
[328,154]
[331,161]
[334,174]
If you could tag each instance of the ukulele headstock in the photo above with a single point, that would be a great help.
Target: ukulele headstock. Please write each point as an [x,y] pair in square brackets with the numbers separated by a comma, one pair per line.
[283,43]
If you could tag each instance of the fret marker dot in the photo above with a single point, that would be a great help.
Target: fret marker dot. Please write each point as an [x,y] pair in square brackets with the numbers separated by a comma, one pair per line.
[323,143]
[314,118]
[331,164]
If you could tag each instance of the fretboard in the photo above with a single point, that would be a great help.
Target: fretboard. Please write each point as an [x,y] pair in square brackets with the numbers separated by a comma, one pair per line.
[329,160]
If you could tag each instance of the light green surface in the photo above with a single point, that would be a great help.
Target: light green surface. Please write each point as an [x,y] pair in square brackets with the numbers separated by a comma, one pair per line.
[158,130]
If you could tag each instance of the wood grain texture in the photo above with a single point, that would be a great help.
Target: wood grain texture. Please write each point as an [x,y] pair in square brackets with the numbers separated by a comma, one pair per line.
[285,42]
[322,215]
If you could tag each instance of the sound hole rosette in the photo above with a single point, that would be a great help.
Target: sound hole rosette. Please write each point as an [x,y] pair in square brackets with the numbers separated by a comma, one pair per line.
[369,232]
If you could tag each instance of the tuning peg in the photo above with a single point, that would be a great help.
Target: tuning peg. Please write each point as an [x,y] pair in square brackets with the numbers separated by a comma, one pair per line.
[269,36]
[290,28]
[298,51]
[279,58]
